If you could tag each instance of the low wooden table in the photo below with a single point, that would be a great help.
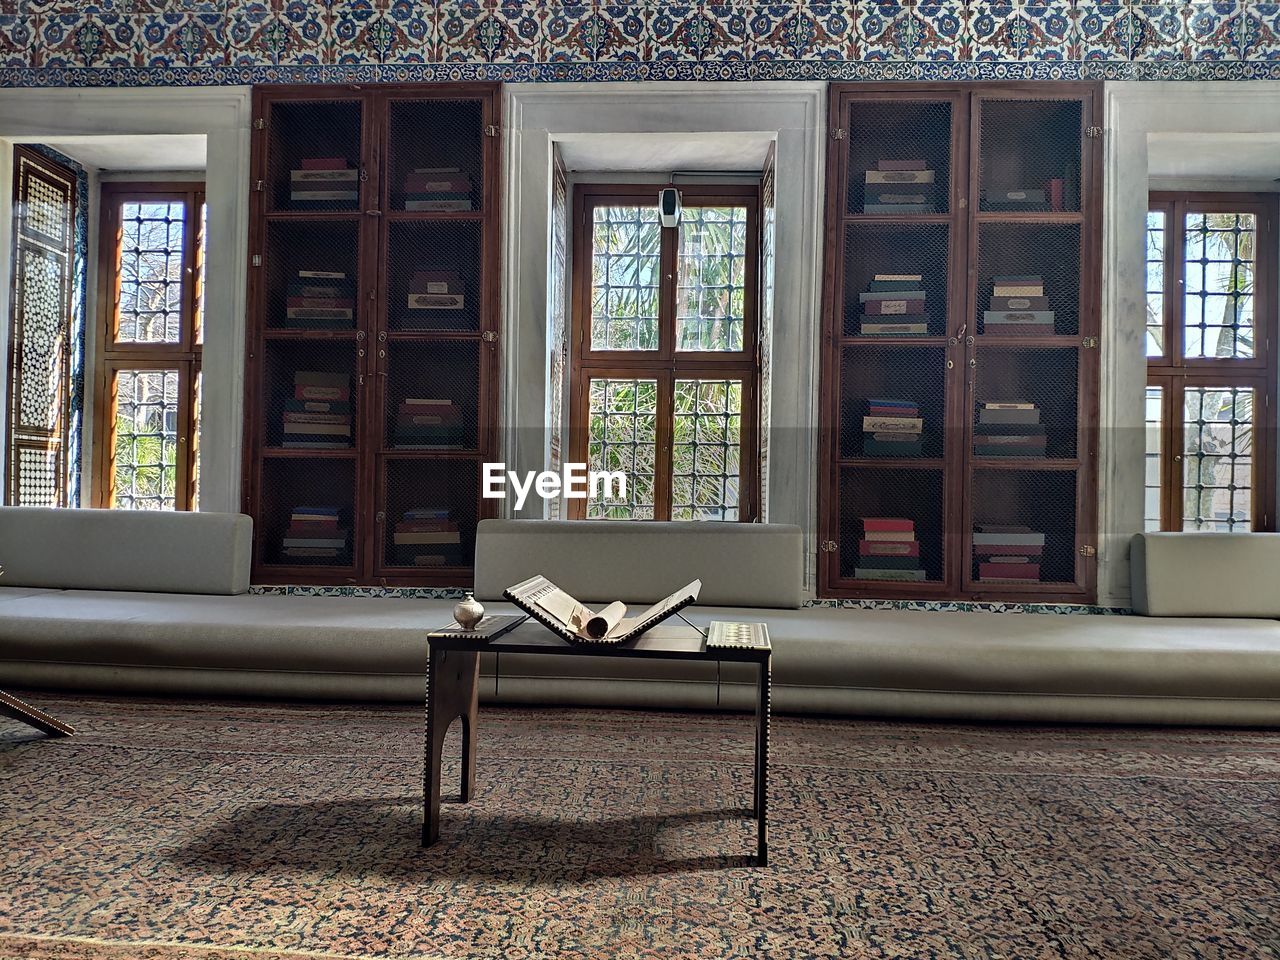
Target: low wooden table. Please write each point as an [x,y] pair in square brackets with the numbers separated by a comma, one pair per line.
[11,706]
[453,680]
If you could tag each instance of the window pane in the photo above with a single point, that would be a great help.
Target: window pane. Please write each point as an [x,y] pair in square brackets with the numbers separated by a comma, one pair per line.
[623,436]
[1218,300]
[1155,283]
[145,463]
[1218,466]
[625,271]
[706,450]
[711,283]
[150,307]
[1155,411]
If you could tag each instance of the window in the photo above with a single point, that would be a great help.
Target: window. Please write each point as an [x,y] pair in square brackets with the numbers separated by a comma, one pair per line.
[666,366]
[151,295]
[1211,320]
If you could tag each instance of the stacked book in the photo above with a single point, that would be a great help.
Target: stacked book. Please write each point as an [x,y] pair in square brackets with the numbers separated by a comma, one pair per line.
[888,550]
[426,537]
[1019,308]
[318,415]
[323,182]
[320,299]
[893,306]
[314,534]
[434,291]
[1009,430]
[892,428]
[1005,199]
[428,424]
[1008,553]
[437,190]
[899,186]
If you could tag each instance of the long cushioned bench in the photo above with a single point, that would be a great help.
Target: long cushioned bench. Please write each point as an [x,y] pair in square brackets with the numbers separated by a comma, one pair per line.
[93,601]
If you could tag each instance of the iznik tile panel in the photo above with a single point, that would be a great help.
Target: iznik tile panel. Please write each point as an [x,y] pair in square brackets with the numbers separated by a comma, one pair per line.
[189,42]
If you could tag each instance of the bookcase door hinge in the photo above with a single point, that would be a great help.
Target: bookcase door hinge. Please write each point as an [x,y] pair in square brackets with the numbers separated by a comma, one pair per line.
[1090,342]
[1093,132]
[489,337]
[260,124]
[260,185]
[838,133]
[829,546]
[491,130]
[257,260]
[1088,551]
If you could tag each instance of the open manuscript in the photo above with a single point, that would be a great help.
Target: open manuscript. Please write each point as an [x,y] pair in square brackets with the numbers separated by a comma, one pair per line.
[567,618]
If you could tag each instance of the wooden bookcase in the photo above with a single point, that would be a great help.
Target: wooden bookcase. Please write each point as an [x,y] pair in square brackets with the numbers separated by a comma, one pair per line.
[1005,185]
[406,227]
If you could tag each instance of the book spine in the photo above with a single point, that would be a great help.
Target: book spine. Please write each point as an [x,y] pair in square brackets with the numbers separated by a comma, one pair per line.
[900,176]
[892,424]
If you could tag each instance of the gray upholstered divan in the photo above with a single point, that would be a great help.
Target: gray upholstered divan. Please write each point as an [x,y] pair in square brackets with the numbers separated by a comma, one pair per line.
[1208,650]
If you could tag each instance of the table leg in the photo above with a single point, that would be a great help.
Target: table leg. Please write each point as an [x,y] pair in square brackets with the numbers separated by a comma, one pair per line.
[453,692]
[21,710]
[762,763]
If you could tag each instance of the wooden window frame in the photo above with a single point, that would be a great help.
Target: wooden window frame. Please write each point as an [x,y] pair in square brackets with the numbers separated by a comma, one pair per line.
[667,364]
[1174,373]
[185,355]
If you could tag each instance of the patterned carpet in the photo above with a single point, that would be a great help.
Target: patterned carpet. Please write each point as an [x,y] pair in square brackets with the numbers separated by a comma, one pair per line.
[213,831]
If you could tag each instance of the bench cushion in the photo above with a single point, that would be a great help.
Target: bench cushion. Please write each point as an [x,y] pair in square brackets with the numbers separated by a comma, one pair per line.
[740,564]
[291,633]
[164,552]
[1206,574]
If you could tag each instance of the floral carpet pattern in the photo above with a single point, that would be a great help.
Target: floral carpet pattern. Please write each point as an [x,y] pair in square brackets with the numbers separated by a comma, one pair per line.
[211,831]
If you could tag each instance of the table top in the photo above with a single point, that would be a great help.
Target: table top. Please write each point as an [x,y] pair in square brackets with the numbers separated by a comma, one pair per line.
[664,642]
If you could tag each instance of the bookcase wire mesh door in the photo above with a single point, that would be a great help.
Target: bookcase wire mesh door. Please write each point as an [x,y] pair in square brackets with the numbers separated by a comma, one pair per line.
[372,316]
[429,350]
[959,380]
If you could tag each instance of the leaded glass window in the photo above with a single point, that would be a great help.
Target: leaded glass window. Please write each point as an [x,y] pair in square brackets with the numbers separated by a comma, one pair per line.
[152,257]
[665,368]
[1211,378]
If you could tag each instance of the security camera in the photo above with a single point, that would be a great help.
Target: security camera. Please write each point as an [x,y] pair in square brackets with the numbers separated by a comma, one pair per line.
[669,206]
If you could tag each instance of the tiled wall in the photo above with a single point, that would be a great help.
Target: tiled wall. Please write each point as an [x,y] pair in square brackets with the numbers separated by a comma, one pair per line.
[175,42]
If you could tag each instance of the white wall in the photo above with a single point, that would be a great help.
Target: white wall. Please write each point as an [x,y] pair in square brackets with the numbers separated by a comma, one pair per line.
[1136,113]
[222,115]
[793,114]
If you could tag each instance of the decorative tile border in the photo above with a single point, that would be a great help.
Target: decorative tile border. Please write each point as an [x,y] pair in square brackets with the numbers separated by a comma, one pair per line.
[45,43]
[930,606]
[968,606]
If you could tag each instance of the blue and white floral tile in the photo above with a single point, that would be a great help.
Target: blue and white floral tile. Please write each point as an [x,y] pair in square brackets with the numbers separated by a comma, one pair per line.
[470,33]
[253,35]
[1102,31]
[17,36]
[349,36]
[85,39]
[1260,32]
[306,33]
[900,31]
[1159,32]
[771,31]
[699,33]
[182,39]
[595,33]
[1212,31]
[817,31]
[948,24]
[1005,31]
[407,32]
